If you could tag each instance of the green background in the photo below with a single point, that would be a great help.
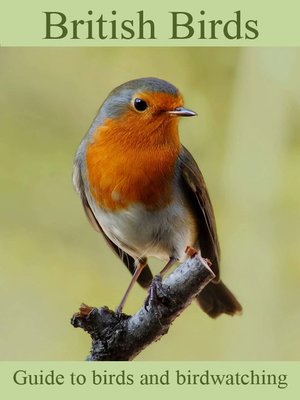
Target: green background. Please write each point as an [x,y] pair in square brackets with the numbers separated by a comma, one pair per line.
[246,141]
[23,23]
[135,391]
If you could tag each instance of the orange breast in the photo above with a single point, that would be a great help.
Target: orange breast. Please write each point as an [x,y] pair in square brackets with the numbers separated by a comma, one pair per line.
[122,171]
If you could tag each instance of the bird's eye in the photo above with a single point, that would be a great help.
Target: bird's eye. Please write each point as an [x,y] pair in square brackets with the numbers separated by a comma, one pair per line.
[140,104]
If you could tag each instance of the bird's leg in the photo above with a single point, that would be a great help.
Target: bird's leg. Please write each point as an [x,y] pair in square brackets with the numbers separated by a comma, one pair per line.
[166,268]
[156,291]
[137,272]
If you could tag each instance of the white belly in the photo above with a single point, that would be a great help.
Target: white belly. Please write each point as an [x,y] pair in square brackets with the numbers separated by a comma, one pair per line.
[139,232]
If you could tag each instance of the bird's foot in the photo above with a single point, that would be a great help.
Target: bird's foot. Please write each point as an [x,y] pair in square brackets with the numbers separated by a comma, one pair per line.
[190,251]
[118,311]
[120,315]
[208,262]
[157,293]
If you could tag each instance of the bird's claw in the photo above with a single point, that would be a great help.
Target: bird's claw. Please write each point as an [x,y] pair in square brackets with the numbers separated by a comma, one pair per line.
[118,312]
[157,294]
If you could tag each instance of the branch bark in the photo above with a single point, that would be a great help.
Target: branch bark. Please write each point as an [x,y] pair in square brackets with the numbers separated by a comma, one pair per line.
[122,337]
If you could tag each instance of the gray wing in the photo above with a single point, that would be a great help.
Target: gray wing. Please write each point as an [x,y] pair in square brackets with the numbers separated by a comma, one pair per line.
[198,197]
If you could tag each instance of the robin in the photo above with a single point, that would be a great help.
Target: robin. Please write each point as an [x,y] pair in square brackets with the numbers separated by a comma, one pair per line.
[142,189]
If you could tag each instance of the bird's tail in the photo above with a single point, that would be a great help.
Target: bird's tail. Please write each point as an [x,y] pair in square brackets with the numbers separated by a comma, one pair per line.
[216,299]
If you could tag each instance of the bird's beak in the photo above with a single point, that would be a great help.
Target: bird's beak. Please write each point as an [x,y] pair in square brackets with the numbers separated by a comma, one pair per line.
[182,112]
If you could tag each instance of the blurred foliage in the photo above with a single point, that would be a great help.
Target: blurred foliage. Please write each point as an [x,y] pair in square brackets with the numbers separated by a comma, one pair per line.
[247,143]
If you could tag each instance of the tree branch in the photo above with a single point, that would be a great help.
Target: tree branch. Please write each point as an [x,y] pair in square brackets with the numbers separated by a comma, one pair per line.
[121,337]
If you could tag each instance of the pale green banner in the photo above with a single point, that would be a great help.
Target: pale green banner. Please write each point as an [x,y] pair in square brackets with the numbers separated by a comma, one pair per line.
[136,23]
[231,380]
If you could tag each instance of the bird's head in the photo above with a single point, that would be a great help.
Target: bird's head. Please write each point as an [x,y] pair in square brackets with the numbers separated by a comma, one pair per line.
[143,110]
